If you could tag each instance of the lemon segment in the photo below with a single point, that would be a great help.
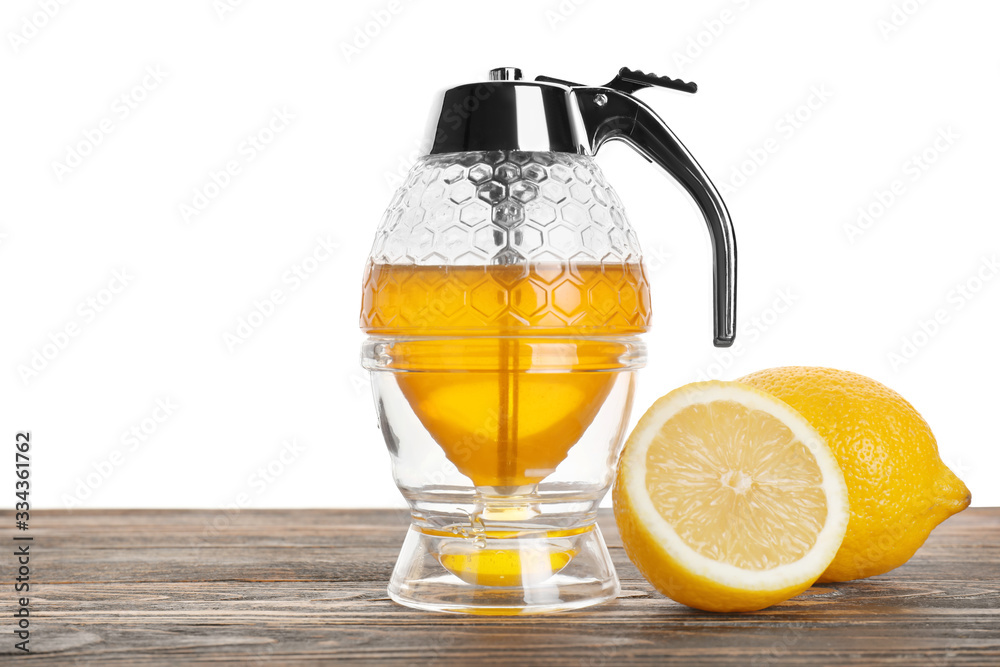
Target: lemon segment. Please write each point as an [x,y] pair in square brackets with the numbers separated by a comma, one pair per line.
[727,499]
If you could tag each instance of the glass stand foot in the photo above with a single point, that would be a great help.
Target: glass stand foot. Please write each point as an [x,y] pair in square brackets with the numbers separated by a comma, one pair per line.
[503,572]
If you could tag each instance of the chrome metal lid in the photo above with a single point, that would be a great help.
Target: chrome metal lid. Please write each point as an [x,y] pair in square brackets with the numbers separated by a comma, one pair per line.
[507,113]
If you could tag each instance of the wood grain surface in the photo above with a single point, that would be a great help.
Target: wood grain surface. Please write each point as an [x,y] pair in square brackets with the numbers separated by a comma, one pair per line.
[306,586]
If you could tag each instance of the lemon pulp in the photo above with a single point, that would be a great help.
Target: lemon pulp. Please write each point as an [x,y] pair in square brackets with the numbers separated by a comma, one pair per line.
[754,507]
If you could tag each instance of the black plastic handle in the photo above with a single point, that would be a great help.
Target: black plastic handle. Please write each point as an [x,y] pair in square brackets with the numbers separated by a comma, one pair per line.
[610,114]
[631,80]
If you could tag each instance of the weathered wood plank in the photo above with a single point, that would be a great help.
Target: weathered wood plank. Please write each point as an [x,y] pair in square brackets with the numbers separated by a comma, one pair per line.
[297,586]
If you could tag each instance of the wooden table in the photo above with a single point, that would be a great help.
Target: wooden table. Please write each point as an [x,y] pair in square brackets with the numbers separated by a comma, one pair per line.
[296,586]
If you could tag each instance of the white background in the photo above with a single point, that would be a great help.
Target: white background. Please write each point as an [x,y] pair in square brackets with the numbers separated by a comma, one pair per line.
[892,80]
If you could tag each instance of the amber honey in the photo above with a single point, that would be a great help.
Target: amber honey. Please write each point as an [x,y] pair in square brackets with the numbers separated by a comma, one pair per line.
[506,366]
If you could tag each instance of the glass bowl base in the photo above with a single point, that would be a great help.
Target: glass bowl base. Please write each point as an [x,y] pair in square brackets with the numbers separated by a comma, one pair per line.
[503,572]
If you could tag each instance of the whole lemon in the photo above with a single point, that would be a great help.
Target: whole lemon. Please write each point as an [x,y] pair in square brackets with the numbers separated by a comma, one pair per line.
[899,488]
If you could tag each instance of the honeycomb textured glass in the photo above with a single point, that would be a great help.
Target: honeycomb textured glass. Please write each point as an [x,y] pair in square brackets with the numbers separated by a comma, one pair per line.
[502,241]
[501,207]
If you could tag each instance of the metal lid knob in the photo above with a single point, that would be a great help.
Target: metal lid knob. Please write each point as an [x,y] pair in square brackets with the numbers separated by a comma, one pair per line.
[505,74]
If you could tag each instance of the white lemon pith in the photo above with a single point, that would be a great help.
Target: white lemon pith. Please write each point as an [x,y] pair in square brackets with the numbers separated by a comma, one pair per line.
[727,499]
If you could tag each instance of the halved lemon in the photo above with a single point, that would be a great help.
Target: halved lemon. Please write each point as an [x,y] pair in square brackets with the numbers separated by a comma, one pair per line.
[727,499]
